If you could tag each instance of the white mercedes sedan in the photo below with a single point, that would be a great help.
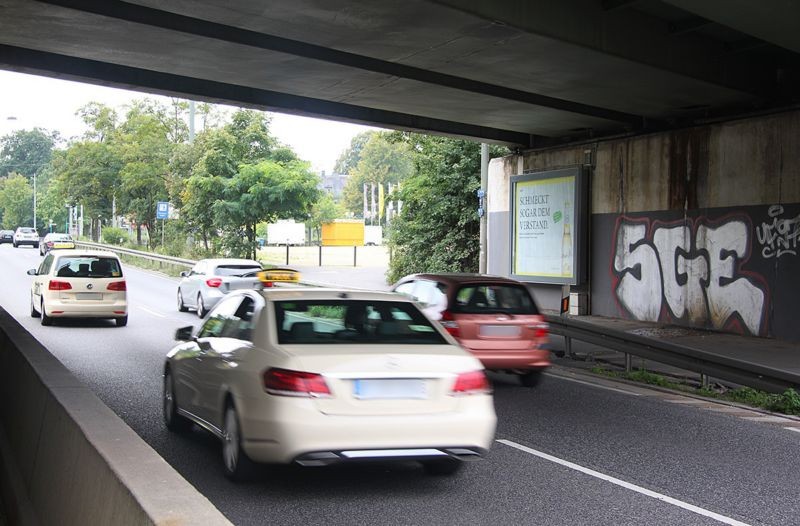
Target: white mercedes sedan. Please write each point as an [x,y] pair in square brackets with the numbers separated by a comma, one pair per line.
[320,376]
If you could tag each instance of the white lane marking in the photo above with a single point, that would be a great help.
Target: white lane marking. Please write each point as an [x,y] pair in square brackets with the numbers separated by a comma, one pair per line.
[769,419]
[687,401]
[795,429]
[593,385]
[626,485]
[154,313]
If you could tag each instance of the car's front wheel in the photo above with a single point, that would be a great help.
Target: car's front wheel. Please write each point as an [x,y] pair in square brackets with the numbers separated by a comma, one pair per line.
[238,466]
[174,421]
[181,306]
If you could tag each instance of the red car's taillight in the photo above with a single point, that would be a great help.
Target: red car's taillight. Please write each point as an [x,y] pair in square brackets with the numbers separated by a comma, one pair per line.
[58,285]
[473,382]
[540,330]
[450,324]
[214,282]
[117,285]
[284,382]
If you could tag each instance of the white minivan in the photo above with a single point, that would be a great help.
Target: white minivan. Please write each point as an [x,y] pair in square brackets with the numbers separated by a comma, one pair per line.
[79,284]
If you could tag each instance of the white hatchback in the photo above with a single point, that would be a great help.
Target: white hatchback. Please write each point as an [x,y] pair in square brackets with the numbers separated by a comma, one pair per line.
[79,284]
[316,376]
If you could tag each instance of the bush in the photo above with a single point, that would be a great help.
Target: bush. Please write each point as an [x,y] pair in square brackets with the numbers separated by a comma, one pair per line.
[114,235]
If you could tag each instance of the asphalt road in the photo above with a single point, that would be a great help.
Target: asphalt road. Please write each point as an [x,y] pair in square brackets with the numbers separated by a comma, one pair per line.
[568,452]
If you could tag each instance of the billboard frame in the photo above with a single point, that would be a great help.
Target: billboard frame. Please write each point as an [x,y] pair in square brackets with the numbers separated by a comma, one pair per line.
[579,216]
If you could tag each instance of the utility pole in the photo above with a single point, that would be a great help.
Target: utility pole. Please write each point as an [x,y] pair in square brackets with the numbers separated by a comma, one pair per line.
[34,202]
[483,200]
[191,121]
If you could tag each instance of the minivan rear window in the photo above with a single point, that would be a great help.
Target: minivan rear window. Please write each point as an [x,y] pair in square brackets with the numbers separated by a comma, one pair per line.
[494,298]
[88,267]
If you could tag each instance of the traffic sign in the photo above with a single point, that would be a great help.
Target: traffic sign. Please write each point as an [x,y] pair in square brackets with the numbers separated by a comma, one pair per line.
[162,210]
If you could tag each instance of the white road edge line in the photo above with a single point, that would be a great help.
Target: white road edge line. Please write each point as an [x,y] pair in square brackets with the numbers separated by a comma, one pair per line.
[590,384]
[626,485]
[795,429]
[154,313]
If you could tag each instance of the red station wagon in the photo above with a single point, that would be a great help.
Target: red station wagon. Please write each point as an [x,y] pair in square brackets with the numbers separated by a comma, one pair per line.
[494,318]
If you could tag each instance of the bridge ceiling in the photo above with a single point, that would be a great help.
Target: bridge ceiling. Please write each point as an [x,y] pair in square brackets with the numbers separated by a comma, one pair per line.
[517,72]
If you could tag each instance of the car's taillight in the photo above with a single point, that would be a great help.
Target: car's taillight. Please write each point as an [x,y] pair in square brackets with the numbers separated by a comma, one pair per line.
[450,324]
[284,382]
[214,282]
[49,244]
[540,330]
[58,285]
[117,285]
[473,382]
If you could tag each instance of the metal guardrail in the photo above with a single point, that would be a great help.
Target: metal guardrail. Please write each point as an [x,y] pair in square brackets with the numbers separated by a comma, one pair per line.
[138,253]
[707,364]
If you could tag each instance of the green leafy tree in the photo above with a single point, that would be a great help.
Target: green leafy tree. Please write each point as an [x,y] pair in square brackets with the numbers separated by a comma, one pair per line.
[349,158]
[16,201]
[263,192]
[26,152]
[143,141]
[438,227]
[89,175]
[381,161]
[325,210]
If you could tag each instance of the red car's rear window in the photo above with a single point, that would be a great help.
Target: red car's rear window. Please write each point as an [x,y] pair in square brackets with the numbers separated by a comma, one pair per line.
[492,298]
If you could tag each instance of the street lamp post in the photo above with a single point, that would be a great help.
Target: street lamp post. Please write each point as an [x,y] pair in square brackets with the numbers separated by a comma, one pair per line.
[34,202]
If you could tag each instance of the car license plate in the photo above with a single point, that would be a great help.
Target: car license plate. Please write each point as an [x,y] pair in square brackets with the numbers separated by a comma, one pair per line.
[390,389]
[89,295]
[499,330]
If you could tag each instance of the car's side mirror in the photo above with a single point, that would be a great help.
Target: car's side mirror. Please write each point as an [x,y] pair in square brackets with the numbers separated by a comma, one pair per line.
[185,274]
[32,272]
[184,334]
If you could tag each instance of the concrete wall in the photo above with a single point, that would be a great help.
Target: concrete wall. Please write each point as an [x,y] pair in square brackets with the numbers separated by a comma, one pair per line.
[66,458]
[701,225]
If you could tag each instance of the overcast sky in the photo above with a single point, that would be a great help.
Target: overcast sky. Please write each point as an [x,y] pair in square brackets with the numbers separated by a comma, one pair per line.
[29,101]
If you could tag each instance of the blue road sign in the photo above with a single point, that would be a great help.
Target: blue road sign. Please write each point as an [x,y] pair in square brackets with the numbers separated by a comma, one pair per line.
[162,210]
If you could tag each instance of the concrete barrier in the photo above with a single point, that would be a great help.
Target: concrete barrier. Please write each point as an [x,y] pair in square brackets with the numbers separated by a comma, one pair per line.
[66,458]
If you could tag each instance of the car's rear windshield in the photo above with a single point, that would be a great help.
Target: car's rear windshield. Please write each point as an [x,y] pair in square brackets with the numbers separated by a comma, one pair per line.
[493,298]
[60,237]
[88,267]
[235,270]
[353,322]
[27,230]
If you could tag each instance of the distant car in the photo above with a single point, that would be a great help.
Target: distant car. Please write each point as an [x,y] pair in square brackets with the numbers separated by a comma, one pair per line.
[211,279]
[79,284]
[54,240]
[494,318]
[26,236]
[6,236]
[318,376]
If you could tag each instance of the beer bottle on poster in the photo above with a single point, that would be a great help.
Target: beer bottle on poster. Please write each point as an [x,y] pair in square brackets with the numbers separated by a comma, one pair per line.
[566,245]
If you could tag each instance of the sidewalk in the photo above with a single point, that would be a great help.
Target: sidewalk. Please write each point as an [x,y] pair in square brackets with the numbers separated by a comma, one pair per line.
[776,354]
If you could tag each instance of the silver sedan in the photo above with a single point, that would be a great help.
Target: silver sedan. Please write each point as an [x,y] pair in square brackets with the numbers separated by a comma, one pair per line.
[211,279]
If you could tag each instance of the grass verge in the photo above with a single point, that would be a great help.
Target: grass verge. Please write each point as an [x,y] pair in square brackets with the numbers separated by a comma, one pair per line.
[787,402]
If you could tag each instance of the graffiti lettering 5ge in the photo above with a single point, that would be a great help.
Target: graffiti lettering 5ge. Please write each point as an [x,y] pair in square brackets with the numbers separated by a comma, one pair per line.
[689,272]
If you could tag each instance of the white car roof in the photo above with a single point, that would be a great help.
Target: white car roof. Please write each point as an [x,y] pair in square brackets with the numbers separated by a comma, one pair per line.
[86,253]
[313,293]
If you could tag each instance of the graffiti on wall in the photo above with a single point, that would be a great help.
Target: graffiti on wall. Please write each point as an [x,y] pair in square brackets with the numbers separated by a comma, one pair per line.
[779,236]
[690,271]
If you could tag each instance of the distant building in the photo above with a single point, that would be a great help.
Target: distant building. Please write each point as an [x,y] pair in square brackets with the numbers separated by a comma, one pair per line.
[332,183]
